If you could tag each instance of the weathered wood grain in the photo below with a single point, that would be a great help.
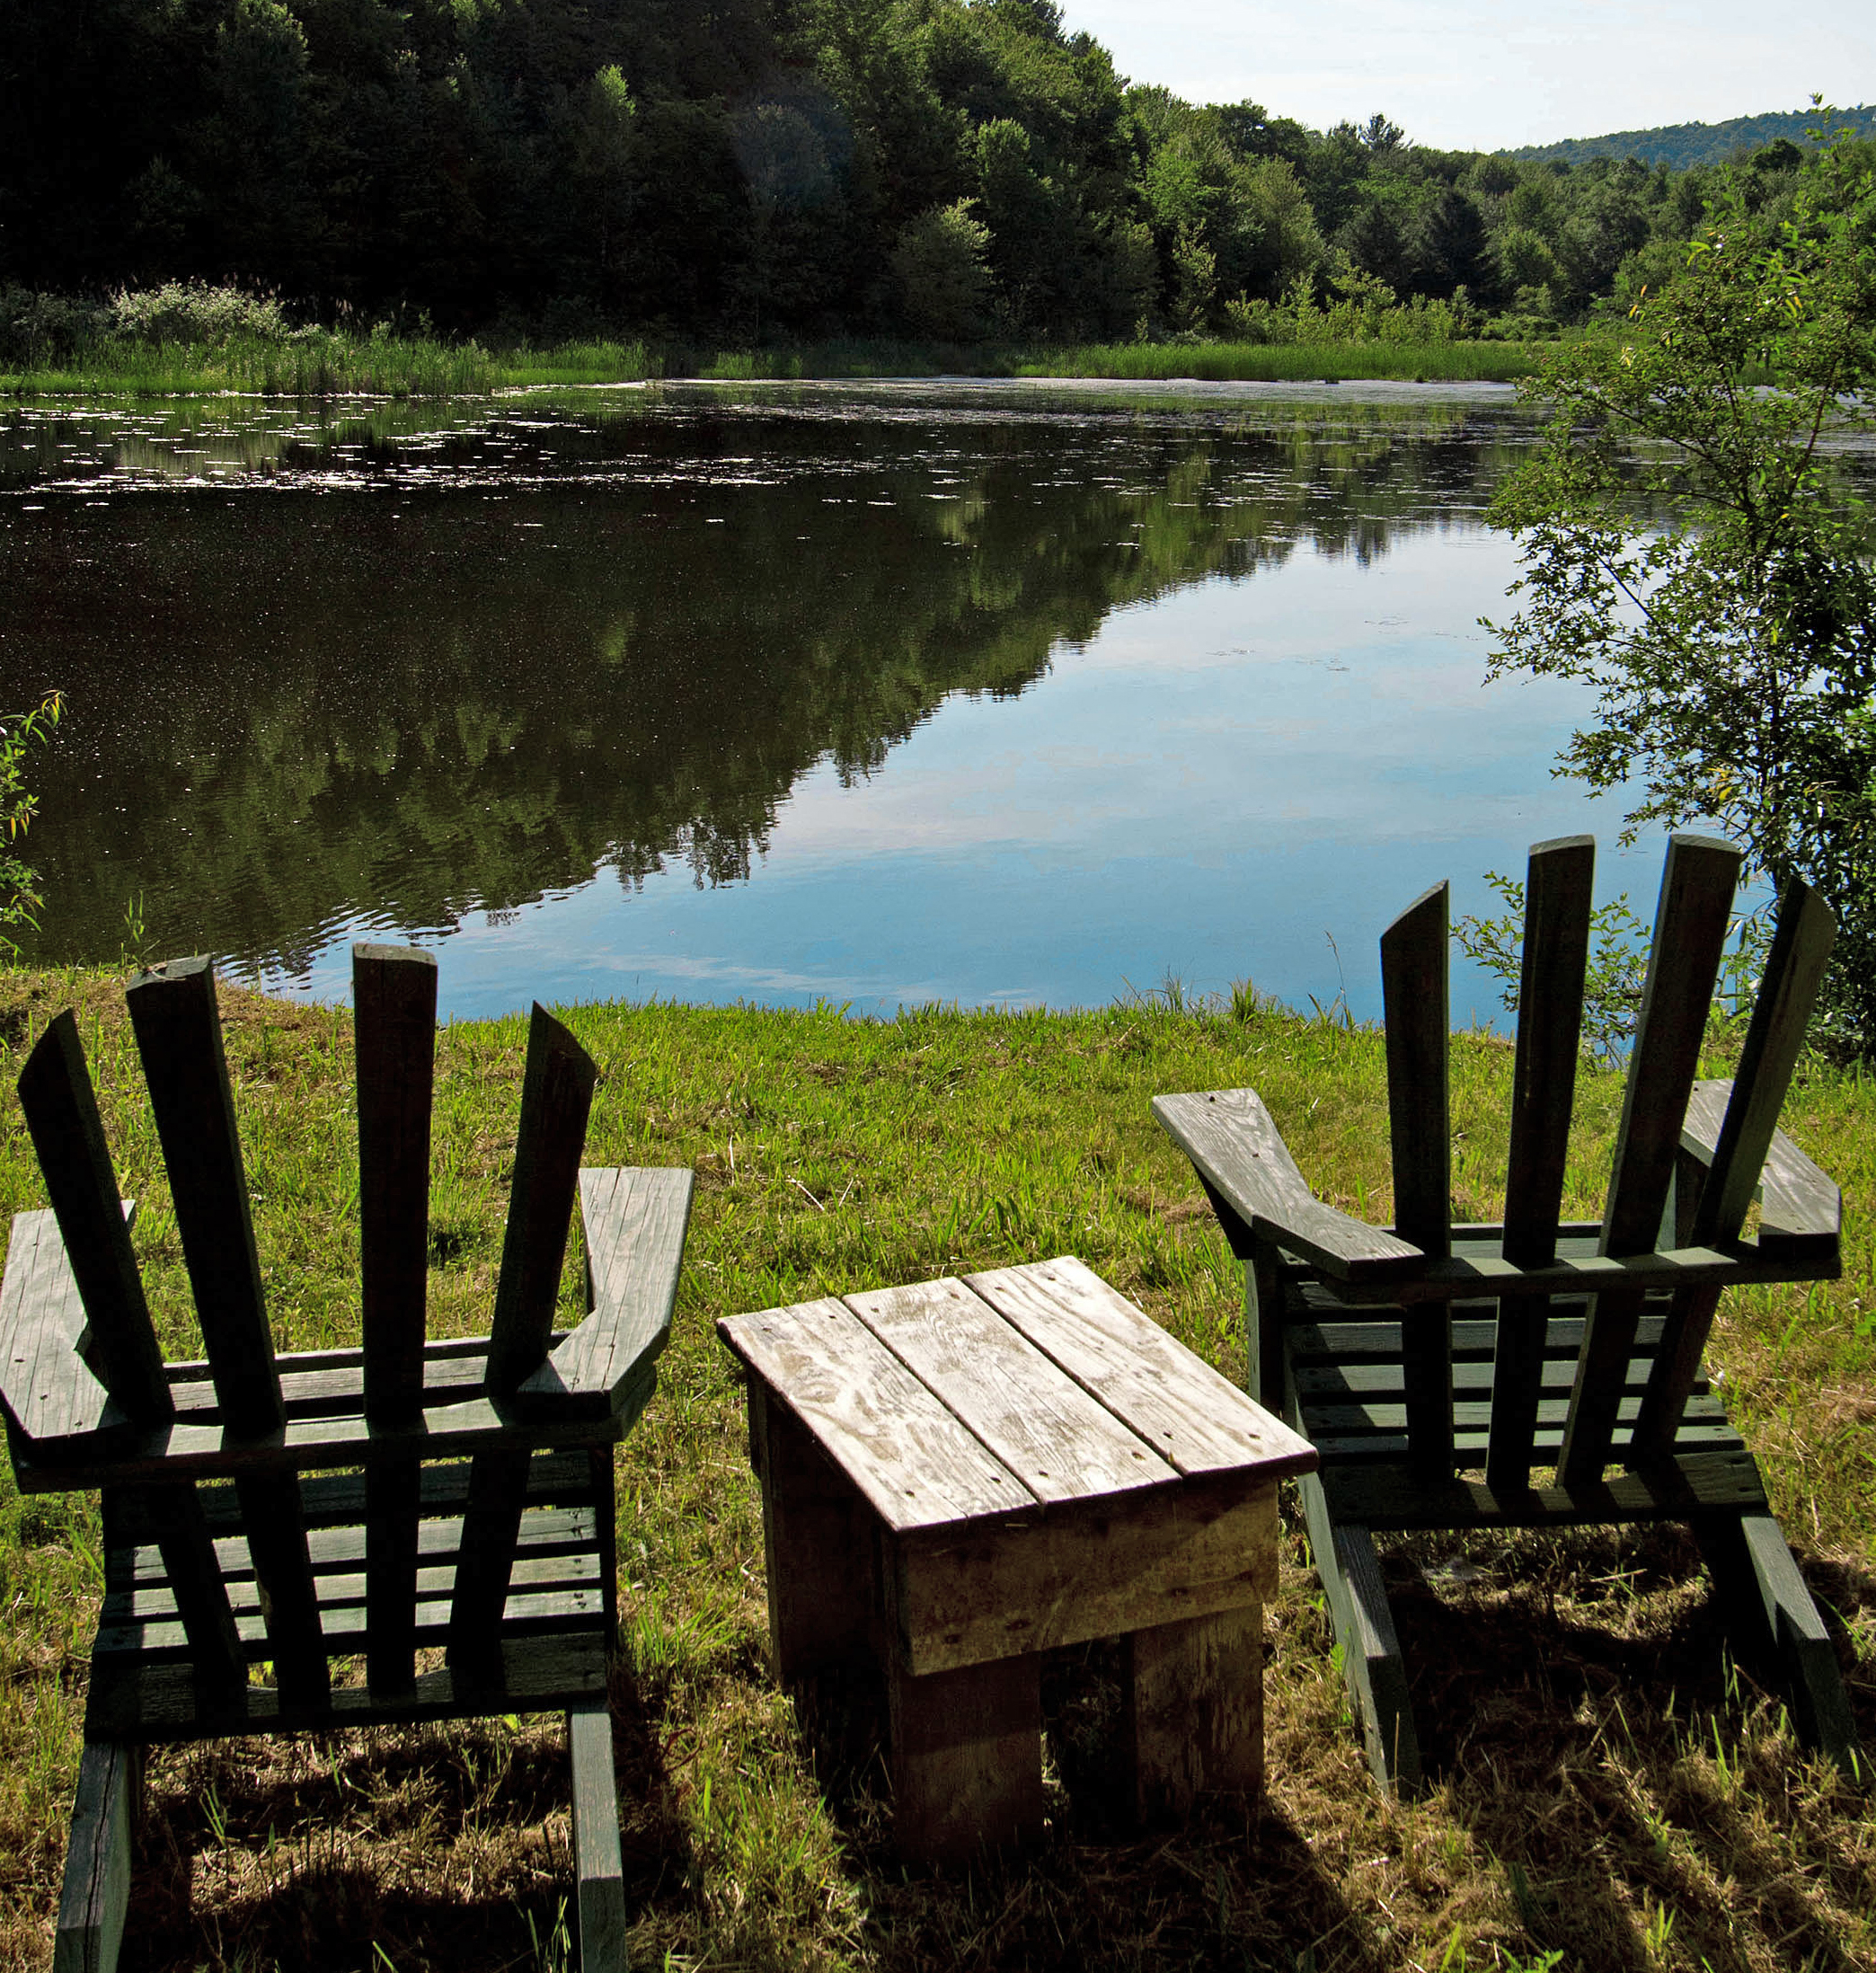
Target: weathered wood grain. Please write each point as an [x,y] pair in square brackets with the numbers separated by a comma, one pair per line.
[202,1452]
[967,1760]
[1413,993]
[635,1222]
[1801,1206]
[1752,1561]
[96,1892]
[1387,1496]
[1231,1140]
[75,1161]
[1194,1711]
[915,1462]
[1697,886]
[395,1002]
[1550,1024]
[48,1388]
[1794,970]
[598,1869]
[820,1548]
[1040,1424]
[1471,1275]
[172,1010]
[556,1101]
[137,1699]
[491,1526]
[1372,1663]
[1194,1418]
[1101,1569]
[394,1007]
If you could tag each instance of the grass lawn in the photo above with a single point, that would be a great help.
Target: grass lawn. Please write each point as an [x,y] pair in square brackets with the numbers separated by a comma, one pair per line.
[1606,1786]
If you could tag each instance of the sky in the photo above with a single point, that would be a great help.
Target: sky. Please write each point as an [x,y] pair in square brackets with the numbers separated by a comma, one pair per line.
[1489,74]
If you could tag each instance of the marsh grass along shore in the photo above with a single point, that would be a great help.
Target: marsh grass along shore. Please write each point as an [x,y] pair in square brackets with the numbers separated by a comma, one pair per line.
[328,365]
[1608,1787]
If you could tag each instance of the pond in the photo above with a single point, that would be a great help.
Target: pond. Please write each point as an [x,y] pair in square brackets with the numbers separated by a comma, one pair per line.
[874,695]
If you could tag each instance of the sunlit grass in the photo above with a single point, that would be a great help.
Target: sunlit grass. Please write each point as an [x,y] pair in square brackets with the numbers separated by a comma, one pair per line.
[1606,1785]
[1292,363]
[316,364]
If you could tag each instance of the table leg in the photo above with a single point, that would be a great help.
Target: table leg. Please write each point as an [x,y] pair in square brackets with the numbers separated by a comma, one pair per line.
[1195,1710]
[817,1538]
[967,1758]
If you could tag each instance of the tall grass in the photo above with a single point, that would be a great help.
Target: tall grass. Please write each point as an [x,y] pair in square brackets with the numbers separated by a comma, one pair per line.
[1292,362]
[189,339]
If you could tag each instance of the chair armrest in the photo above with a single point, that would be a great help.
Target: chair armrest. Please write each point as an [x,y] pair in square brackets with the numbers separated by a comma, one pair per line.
[1250,1176]
[1801,1207]
[634,1222]
[47,1388]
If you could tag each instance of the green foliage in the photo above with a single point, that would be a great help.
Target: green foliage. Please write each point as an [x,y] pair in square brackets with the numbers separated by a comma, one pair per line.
[1611,982]
[938,263]
[20,895]
[1682,144]
[747,173]
[1691,550]
[194,313]
[1617,969]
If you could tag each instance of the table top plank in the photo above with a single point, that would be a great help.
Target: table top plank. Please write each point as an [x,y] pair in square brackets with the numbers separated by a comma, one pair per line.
[1193,1415]
[915,1464]
[1063,1443]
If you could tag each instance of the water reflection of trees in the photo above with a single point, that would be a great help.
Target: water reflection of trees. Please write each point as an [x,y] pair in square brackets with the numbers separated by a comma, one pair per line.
[497,659]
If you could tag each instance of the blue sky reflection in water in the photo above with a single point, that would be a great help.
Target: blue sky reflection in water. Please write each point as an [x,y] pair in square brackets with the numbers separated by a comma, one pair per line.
[872,696]
[1219,784]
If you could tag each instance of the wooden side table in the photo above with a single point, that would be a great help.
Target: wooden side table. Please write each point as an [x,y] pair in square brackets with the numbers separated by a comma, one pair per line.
[960,1475]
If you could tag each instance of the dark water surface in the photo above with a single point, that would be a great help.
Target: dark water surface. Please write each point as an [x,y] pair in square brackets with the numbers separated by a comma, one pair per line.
[880,695]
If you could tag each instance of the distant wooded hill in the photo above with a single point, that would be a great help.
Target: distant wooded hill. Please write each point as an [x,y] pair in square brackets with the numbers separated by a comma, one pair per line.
[1681,144]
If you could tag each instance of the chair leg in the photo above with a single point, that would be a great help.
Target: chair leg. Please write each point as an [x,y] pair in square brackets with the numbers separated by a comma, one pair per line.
[1371,1651]
[1765,1598]
[596,1864]
[97,1872]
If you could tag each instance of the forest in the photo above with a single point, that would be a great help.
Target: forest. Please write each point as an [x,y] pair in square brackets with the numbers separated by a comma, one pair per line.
[751,171]
[1680,145]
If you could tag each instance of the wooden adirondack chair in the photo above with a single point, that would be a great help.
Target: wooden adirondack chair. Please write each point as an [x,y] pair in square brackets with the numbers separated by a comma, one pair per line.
[1533,1373]
[312,1512]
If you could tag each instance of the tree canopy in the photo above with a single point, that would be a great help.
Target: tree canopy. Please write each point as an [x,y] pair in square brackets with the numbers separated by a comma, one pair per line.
[744,170]
[1696,548]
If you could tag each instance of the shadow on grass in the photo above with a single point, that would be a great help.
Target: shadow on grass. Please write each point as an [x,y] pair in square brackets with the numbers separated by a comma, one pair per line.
[1580,1706]
[1237,1886]
[445,1846]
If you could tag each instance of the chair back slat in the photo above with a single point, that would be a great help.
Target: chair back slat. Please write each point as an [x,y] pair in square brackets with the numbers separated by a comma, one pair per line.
[178,1028]
[1413,993]
[394,1006]
[1697,886]
[556,1101]
[395,1030]
[68,1137]
[1802,943]
[1558,890]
